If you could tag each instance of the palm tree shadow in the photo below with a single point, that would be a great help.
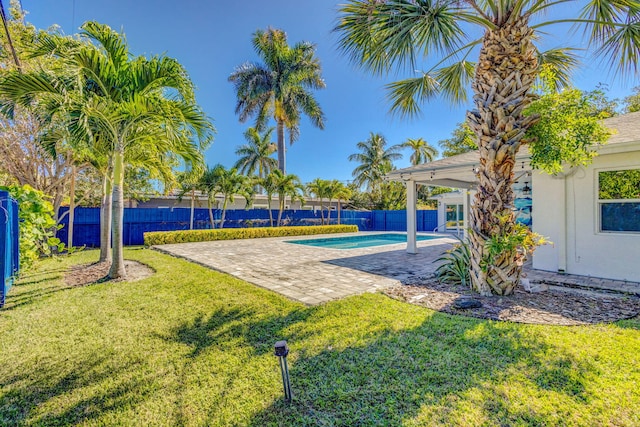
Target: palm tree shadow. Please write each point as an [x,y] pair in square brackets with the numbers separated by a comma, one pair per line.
[388,380]
[26,392]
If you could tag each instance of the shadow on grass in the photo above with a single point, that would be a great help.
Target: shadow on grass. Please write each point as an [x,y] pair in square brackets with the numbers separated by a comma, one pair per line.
[95,386]
[387,378]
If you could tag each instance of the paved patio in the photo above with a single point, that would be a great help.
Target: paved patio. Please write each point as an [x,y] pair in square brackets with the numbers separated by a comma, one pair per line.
[314,275]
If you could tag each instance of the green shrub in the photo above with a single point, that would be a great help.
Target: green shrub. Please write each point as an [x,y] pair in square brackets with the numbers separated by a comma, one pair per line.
[185,236]
[37,226]
[456,266]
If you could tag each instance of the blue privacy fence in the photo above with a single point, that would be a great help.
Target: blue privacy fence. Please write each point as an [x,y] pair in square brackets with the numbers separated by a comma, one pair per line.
[137,221]
[9,243]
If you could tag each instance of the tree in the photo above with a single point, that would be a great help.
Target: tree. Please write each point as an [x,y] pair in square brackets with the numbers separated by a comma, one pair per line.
[255,156]
[230,183]
[462,140]
[341,192]
[286,186]
[319,188]
[280,87]
[383,35]
[421,150]
[269,184]
[131,104]
[632,102]
[375,161]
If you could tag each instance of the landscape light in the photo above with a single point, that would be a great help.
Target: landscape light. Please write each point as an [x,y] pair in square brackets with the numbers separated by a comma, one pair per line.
[281,352]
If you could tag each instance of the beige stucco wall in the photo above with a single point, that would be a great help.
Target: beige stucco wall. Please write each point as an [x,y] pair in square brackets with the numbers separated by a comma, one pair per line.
[566,211]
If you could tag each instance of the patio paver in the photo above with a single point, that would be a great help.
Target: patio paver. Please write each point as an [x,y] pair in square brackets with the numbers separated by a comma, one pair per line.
[314,275]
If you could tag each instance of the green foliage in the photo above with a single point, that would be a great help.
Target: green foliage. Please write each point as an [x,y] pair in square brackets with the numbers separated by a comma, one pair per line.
[620,184]
[520,240]
[456,266]
[462,140]
[569,125]
[632,102]
[166,237]
[37,226]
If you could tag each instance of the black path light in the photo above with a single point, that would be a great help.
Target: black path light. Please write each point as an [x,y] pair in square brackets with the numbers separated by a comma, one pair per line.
[281,351]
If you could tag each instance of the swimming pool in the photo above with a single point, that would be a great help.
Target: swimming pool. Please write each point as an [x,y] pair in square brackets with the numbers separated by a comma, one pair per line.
[361,241]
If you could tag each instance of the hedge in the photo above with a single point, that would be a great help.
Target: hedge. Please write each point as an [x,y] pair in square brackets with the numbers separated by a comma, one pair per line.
[186,236]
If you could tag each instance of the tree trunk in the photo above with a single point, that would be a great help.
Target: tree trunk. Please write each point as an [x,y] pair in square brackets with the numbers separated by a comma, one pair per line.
[117,265]
[270,212]
[193,206]
[339,210]
[105,219]
[281,206]
[211,220]
[282,148]
[321,212]
[504,75]
[224,212]
[72,207]
[329,211]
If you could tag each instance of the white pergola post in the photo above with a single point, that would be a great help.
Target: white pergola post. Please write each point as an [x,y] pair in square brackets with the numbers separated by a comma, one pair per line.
[412,247]
[466,208]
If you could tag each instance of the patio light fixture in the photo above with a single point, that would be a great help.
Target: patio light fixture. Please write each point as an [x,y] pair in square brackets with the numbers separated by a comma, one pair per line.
[526,190]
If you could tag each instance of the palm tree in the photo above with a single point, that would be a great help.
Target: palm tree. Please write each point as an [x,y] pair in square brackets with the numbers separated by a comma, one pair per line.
[319,188]
[268,183]
[206,184]
[286,186]
[230,183]
[342,192]
[422,151]
[280,87]
[132,104]
[375,161]
[383,35]
[256,154]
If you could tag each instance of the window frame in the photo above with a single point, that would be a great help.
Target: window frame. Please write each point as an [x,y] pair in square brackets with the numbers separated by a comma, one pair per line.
[600,202]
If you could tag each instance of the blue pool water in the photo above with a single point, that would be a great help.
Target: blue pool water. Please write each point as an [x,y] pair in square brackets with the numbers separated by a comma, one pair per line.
[353,242]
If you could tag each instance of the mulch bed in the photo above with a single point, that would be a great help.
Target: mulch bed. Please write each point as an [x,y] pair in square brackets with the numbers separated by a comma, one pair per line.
[87,274]
[549,307]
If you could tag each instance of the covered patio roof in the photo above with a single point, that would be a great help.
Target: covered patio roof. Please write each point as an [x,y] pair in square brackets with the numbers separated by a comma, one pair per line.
[456,171]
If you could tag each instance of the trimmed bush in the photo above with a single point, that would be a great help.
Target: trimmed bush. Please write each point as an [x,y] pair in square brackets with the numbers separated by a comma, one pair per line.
[186,236]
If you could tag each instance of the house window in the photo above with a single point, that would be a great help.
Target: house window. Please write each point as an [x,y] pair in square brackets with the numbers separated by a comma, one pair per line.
[619,200]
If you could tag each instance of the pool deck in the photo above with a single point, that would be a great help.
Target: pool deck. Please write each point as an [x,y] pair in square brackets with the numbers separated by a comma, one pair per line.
[314,275]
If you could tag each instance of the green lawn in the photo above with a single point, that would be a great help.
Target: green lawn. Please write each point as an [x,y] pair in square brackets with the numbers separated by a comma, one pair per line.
[190,346]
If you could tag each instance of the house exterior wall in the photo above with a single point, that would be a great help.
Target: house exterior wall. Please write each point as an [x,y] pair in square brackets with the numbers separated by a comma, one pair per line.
[579,246]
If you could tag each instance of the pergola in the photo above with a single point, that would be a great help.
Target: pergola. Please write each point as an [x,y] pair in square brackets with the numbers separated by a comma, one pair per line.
[456,172]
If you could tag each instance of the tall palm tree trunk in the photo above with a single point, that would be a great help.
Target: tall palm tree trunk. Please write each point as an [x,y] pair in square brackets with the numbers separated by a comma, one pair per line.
[506,70]
[105,219]
[117,265]
[339,209]
[282,149]
[321,212]
[72,207]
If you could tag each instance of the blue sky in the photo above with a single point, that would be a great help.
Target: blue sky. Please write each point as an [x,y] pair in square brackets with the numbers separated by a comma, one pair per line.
[211,38]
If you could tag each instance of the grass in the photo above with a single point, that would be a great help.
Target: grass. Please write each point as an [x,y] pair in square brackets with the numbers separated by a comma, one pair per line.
[190,346]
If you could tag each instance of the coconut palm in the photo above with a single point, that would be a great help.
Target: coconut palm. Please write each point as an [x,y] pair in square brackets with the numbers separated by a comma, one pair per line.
[132,104]
[280,87]
[421,150]
[255,156]
[383,35]
[375,161]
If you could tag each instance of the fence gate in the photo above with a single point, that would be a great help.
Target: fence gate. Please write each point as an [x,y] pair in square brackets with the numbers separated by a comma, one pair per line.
[9,249]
